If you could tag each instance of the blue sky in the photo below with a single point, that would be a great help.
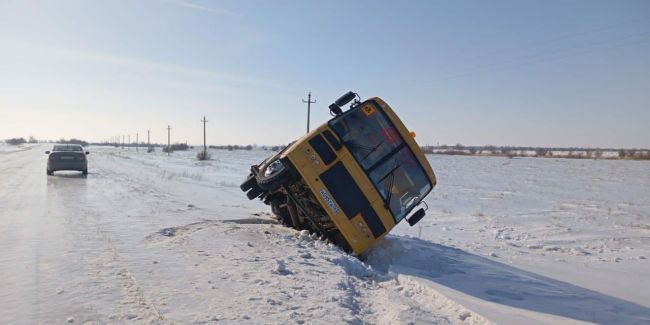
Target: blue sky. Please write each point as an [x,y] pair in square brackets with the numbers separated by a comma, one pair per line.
[542,73]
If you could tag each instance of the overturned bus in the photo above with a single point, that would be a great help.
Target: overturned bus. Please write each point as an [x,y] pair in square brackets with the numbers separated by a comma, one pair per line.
[350,180]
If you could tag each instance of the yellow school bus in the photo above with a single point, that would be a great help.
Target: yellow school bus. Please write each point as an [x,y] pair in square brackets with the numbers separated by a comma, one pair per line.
[350,180]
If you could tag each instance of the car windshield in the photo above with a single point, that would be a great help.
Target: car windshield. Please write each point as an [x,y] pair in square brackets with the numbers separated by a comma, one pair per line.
[67,148]
[389,162]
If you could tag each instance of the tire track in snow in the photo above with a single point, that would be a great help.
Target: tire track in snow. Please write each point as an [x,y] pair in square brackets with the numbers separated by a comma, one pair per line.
[100,255]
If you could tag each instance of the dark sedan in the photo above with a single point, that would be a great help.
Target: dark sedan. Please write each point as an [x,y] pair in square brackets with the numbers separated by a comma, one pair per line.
[67,157]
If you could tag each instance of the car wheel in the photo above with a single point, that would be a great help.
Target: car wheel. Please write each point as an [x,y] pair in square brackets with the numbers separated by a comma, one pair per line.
[49,172]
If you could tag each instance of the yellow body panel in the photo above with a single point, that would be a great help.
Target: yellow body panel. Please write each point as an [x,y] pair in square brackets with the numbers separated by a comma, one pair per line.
[309,165]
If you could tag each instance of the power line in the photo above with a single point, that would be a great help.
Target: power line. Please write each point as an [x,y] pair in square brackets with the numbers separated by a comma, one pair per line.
[570,35]
[544,57]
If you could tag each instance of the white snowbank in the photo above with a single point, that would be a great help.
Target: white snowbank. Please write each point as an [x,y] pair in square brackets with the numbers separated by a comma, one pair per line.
[151,238]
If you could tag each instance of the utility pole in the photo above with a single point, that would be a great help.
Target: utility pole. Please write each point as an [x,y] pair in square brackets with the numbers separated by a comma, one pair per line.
[122,141]
[148,142]
[129,145]
[136,141]
[205,147]
[308,102]
[169,148]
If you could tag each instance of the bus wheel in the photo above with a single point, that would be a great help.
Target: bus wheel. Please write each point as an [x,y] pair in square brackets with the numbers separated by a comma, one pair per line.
[249,183]
[272,175]
[254,192]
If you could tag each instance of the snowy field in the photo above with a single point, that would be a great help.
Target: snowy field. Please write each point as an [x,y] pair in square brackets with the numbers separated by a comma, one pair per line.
[6,148]
[152,239]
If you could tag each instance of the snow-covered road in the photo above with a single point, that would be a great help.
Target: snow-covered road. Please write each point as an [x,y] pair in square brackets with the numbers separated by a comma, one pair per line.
[147,238]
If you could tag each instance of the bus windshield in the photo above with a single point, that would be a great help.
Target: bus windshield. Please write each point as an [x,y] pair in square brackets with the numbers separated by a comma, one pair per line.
[401,182]
[367,134]
[382,153]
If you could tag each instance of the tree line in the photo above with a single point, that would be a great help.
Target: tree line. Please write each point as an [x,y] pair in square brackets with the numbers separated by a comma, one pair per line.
[527,151]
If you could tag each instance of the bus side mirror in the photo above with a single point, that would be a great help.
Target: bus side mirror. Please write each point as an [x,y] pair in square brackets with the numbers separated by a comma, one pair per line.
[416,217]
[335,110]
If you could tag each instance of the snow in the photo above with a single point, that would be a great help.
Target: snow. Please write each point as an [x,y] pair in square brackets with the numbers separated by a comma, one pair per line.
[7,148]
[150,238]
